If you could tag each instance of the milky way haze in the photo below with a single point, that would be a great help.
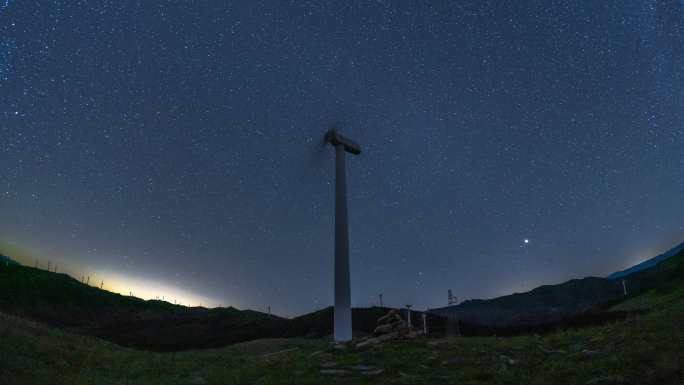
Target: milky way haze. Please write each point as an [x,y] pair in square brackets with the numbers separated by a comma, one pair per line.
[176,146]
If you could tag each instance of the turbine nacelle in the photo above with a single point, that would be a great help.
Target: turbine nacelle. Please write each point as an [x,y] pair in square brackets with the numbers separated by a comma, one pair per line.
[349,145]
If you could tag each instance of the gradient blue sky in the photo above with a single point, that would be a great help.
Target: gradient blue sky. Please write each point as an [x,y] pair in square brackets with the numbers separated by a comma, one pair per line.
[174,147]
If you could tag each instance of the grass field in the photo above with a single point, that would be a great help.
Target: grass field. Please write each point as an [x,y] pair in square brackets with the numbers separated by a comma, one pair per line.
[645,349]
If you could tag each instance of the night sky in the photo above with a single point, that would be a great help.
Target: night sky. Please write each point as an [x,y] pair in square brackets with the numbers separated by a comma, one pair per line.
[174,148]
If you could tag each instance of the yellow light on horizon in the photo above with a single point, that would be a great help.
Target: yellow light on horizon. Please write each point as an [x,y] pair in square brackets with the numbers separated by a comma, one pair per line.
[151,289]
[115,282]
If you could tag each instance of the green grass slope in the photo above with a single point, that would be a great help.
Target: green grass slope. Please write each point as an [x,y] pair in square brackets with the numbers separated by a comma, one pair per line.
[669,289]
[643,349]
[32,353]
[59,300]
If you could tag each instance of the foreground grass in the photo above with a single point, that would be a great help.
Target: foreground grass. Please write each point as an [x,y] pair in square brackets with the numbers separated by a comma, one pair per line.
[647,349]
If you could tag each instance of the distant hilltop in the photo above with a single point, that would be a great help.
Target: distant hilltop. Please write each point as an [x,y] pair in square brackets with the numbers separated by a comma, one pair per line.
[648,263]
[554,303]
[5,260]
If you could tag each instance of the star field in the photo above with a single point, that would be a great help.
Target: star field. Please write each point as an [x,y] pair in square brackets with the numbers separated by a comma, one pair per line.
[178,145]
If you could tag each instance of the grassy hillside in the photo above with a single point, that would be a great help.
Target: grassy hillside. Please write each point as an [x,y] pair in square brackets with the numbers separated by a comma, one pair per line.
[548,305]
[32,353]
[544,304]
[59,300]
[668,279]
[649,262]
[644,349]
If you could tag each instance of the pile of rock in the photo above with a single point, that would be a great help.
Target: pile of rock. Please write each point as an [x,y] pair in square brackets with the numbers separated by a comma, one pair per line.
[390,326]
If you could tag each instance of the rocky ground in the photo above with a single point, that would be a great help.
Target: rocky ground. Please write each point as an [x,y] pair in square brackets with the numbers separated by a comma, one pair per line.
[390,327]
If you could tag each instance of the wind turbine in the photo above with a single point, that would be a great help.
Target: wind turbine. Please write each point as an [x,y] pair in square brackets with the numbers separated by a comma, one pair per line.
[342,314]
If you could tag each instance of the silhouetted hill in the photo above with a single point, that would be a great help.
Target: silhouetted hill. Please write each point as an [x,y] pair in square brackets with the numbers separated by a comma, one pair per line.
[645,348]
[551,304]
[546,303]
[59,300]
[5,260]
[62,301]
[649,263]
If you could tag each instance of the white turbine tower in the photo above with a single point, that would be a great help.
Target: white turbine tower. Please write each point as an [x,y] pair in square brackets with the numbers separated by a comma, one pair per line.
[343,316]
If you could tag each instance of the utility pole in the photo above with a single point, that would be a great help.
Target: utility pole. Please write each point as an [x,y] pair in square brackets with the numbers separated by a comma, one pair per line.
[408,315]
[424,324]
[48,266]
[451,299]
[342,313]
[101,284]
[624,287]
[380,300]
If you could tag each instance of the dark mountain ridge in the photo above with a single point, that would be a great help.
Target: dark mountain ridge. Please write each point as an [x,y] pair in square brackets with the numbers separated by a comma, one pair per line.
[5,260]
[649,262]
[61,301]
[555,303]
[543,304]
